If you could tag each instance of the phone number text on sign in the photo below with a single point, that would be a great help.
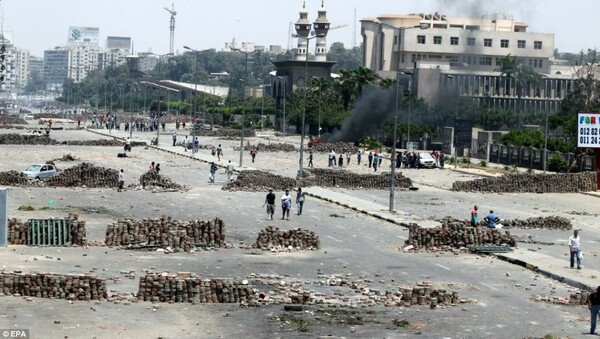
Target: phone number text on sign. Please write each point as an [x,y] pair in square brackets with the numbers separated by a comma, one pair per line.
[588,130]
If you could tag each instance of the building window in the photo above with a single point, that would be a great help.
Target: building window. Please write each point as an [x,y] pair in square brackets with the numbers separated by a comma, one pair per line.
[421,39]
[521,44]
[537,45]
[470,41]
[454,40]
[437,40]
[395,39]
[504,43]
[485,61]
[487,42]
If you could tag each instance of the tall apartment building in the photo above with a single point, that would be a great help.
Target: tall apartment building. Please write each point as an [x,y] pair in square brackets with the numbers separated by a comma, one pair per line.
[444,56]
[22,69]
[118,42]
[57,63]
[83,60]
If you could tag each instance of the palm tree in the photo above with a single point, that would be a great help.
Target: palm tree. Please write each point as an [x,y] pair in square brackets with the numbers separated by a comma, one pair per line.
[523,76]
[386,83]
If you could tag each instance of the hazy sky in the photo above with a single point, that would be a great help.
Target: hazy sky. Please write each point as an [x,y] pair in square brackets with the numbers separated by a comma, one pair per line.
[202,24]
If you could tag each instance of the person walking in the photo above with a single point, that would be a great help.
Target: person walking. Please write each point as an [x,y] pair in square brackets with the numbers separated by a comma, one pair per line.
[219,152]
[593,303]
[174,138]
[213,171]
[229,170]
[474,216]
[575,249]
[121,180]
[370,157]
[310,159]
[196,145]
[300,200]
[348,154]
[358,157]
[186,142]
[253,153]
[157,169]
[270,202]
[286,205]
[341,161]
[151,169]
[375,161]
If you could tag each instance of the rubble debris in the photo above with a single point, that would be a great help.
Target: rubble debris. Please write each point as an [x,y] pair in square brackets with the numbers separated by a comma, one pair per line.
[337,147]
[151,179]
[532,183]
[54,286]
[255,181]
[271,147]
[272,238]
[166,233]
[13,178]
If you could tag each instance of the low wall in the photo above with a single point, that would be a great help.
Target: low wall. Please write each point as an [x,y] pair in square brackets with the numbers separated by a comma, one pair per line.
[531,183]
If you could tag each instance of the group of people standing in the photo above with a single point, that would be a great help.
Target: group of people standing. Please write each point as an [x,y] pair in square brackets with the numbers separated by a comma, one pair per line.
[286,203]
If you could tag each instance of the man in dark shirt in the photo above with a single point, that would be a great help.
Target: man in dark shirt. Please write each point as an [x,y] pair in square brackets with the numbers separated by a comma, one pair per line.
[594,306]
[270,202]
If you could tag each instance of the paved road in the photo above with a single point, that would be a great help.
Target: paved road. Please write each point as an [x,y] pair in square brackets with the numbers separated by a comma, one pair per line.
[354,244]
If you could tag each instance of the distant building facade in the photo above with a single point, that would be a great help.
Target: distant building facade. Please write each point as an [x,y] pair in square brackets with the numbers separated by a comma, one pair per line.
[437,56]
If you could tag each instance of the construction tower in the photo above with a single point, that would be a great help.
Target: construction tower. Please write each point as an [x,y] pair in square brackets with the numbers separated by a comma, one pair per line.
[172,27]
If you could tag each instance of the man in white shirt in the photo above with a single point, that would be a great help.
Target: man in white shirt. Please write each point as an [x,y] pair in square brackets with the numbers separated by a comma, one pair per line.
[575,247]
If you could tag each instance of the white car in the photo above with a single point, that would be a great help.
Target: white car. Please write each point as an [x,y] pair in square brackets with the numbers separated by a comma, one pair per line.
[40,171]
[426,160]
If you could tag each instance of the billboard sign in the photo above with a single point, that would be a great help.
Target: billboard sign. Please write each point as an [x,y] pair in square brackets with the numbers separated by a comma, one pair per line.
[588,130]
[84,35]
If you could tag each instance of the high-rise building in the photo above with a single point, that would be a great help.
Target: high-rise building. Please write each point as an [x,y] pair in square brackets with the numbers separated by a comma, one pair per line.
[446,56]
[56,67]
[22,69]
[118,42]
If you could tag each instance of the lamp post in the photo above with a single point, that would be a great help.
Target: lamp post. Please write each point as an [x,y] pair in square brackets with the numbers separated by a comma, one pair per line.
[455,139]
[546,143]
[246,53]
[409,106]
[195,90]
[301,162]
[396,111]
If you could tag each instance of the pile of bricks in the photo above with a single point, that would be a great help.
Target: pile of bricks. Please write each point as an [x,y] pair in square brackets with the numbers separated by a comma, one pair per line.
[166,233]
[190,289]
[269,147]
[151,179]
[272,237]
[256,181]
[456,234]
[551,222]
[8,119]
[53,286]
[226,133]
[337,147]
[13,178]
[85,175]
[17,139]
[19,232]
[99,142]
[531,183]
[326,177]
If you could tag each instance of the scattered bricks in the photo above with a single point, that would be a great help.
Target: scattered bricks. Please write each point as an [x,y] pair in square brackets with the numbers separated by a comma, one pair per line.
[456,234]
[270,148]
[171,288]
[337,147]
[260,181]
[326,177]
[99,142]
[19,231]
[166,233]
[551,222]
[13,178]
[533,183]
[151,179]
[87,175]
[54,286]
[272,237]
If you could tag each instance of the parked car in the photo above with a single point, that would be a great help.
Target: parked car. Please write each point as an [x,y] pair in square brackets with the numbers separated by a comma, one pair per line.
[40,171]
[426,160]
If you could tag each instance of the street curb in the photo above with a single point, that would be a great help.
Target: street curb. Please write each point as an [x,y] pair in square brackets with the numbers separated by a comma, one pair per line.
[371,214]
[554,276]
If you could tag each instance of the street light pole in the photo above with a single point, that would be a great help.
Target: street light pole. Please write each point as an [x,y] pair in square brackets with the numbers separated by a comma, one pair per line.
[243,99]
[546,143]
[393,171]
[195,90]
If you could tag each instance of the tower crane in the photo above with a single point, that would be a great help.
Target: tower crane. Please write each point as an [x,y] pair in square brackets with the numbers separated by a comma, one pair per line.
[172,27]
